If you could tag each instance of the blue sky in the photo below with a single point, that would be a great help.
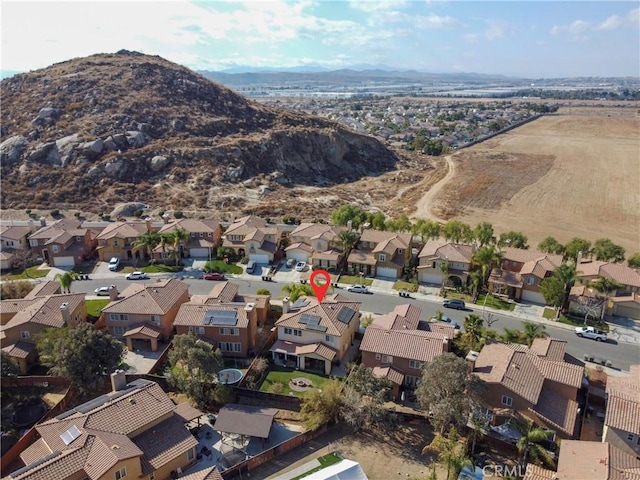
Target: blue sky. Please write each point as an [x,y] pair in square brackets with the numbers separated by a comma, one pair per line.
[541,39]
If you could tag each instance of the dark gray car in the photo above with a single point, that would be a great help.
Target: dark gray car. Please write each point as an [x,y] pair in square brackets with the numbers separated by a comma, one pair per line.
[457,304]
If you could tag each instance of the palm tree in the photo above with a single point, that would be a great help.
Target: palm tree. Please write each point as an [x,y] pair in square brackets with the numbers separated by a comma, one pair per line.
[444,268]
[605,285]
[476,282]
[487,258]
[180,236]
[510,335]
[532,331]
[451,451]
[529,444]
[165,239]
[473,329]
[438,315]
[296,290]
[566,273]
[148,241]
[347,239]
[65,279]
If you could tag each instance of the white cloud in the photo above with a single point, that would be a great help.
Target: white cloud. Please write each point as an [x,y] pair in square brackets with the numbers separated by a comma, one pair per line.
[377,6]
[613,22]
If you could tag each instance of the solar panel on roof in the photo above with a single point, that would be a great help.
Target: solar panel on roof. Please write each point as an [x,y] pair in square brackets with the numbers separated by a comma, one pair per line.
[301,302]
[345,315]
[308,319]
[70,435]
[317,328]
[221,317]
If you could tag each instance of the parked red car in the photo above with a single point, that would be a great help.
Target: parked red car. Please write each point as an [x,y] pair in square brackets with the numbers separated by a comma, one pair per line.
[213,276]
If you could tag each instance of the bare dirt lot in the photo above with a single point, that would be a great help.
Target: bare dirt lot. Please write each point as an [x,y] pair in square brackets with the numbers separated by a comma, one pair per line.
[564,176]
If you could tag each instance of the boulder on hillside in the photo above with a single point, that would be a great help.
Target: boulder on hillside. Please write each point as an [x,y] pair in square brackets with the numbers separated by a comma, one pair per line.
[11,149]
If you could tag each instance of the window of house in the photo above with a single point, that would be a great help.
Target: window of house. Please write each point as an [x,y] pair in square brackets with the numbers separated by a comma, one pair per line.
[530,280]
[415,364]
[116,243]
[122,317]
[155,319]
[328,338]
[400,251]
[191,330]
[293,331]
[200,330]
[508,401]
[9,243]
[411,381]
[201,234]
[33,243]
[121,473]
[229,331]
[230,347]
[630,437]
[25,335]
[378,356]
[118,331]
[55,249]
[152,476]
[382,257]
[638,440]
[318,246]
[209,234]
[78,239]
[387,359]
[190,454]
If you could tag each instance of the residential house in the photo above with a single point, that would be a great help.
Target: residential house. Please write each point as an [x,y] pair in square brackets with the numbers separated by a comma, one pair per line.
[205,236]
[225,319]
[22,319]
[581,460]
[64,243]
[521,272]
[119,240]
[622,417]
[134,431]
[625,300]
[313,336]
[380,254]
[145,311]
[531,382]
[456,256]
[398,344]
[252,237]
[317,244]
[13,240]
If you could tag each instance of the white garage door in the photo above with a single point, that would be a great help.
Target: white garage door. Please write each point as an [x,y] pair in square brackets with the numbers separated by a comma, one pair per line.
[386,272]
[433,278]
[259,258]
[628,312]
[199,252]
[63,262]
[298,256]
[533,297]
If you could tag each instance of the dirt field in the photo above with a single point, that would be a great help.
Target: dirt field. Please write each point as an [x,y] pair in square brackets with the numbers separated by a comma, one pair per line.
[565,176]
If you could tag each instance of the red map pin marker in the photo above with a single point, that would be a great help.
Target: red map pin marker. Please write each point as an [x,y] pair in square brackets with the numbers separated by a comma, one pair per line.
[321,289]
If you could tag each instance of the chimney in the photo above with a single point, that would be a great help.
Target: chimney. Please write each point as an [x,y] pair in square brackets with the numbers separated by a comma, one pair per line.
[250,306]
[118,380]
[32,226]
[147,220]
[66,315]
[43,222]
[113,293]
[165,218]
[446,344]
[472,356]
[285,305]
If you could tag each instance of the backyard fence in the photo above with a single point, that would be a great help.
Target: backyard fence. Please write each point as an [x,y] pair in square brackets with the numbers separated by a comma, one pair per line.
[34,381]
[267,399]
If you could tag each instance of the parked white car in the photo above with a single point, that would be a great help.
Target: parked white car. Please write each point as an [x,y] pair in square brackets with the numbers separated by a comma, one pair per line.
[114,263]
[301,266]
[102,291]
[136,276]
[592,333]
[357,289]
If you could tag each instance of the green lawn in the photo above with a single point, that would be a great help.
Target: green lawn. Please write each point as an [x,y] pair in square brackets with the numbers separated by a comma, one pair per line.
[222,267]
[353,279]
[402,285]
[31,272]
[550,314]
[94,307]
[325,461]
[495,302]
[160,268]
[283,376]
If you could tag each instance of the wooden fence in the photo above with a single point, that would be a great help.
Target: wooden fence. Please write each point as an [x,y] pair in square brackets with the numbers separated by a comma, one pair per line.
[34,381]
[267,399]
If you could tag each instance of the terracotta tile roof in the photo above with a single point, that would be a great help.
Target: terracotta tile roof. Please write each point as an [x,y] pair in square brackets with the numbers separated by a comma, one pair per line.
[245,420]
[443,328]
[333,254]
[362,257]
[557,410]
[534,472]
[108,449]
[392,373]
[210,473]
[405,316]
[443,250]
[582,460]
[56,229]
[19,349]
[146,329]
[623,405]
[523,256]
[319,349]
[255,234]
[191,314]
[43,289]
[186,412]
[389,246]
[620,273]
[122,230]
[153,299]
[245,224]
[329,310]
[506,277]
[313,231]
[46,310]
[13,232]
[15,305]
[538,268]
[191,225]
[164,442]
[61,464]
[549,348]
[299,246]
[589,268]
[411,344]
[35,451]
[260,301]
[378,236]
[560,371]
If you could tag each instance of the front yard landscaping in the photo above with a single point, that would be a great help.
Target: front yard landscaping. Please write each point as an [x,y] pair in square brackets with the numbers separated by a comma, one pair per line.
[402,285]
[222,267]
[281,378]
[495,302]
[354,279]
[550,313]
[27,273]
[94,307]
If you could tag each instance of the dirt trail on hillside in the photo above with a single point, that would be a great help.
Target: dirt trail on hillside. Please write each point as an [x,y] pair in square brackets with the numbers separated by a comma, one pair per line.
[424,206]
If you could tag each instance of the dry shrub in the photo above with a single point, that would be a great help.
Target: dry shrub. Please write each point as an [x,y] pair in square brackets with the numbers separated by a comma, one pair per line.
[17,289]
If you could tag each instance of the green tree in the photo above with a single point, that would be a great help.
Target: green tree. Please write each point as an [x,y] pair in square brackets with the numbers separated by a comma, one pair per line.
[430,230]
[513,239]
[180,237]
[8,366]
[551,245]
[487,258]
[148,241]
[452,452]
[322,406]
[511,335]
[483,233]
[448,391]
[82,354]
[347,213]
[634,260]
[576,246]
[296,290]
[377,221]
[444,268]
[456,231]
[553,291]
[566,273]
[348,239]
[473,331]
[402,224]
[263,291]
[532,331]
[364,397]
[166,239]
[193,365]
[605,285]
[65,279]
[607,251]
[529,445]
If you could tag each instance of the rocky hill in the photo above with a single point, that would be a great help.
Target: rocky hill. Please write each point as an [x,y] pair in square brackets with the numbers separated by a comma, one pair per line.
[108,128]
